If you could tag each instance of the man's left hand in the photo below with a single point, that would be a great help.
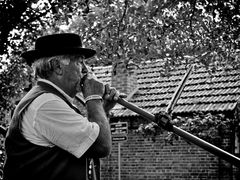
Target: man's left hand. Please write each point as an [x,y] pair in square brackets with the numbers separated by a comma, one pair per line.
[110,98]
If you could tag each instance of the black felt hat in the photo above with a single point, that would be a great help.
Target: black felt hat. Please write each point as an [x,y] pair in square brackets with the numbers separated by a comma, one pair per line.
[57,44]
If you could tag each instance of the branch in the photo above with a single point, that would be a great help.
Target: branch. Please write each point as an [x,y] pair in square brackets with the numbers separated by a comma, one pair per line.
[37,17]
[193,4]
[124,13]
[99,30]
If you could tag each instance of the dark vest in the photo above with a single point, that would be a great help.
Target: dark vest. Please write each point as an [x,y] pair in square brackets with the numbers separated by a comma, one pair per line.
[28,161]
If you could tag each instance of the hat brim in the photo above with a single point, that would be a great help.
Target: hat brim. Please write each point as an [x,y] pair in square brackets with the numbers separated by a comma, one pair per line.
[32,55]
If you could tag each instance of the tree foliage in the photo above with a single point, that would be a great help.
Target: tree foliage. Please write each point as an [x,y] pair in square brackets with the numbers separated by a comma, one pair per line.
[13,79]
[209,127]
[129,30]
[132,29]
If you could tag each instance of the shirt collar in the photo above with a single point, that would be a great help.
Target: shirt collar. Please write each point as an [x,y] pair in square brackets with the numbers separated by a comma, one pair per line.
[59,89]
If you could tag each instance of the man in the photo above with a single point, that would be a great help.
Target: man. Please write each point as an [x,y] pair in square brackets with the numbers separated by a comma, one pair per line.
[48,138]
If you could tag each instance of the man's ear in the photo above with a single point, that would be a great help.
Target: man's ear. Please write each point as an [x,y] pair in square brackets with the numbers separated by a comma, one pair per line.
[57,67]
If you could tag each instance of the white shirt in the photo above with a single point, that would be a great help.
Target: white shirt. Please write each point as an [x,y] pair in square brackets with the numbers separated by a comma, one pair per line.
[49,121]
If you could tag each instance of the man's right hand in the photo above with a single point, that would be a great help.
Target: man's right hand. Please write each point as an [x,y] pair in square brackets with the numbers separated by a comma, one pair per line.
[92,86]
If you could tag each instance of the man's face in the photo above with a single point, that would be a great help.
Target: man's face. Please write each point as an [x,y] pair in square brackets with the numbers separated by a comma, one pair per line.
[73,74]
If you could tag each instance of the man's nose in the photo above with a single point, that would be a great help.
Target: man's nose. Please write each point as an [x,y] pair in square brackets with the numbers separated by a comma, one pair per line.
[85,68]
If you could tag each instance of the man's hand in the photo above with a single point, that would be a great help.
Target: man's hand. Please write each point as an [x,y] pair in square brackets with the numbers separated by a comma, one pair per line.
[110,97]
[92,86]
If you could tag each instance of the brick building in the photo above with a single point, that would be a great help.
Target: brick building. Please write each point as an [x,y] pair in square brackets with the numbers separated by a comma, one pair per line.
[143,158]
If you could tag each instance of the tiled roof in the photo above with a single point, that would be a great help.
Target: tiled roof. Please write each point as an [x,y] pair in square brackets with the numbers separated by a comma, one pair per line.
[204,91]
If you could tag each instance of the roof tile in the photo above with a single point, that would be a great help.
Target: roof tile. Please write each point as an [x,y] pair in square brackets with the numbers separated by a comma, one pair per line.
[203,91]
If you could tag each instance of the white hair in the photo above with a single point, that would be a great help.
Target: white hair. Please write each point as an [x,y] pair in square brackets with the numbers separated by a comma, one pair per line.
[43,67]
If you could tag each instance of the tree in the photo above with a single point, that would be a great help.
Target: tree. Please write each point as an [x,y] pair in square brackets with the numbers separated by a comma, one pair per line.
[13,80]
[132,29]
[129,30]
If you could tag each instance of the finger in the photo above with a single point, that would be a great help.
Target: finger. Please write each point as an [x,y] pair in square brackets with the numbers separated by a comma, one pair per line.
[90,75]
[114,94]
[86,70]
[107,91]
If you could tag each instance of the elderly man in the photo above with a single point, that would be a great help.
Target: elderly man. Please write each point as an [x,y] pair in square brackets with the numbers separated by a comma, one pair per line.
[48,138]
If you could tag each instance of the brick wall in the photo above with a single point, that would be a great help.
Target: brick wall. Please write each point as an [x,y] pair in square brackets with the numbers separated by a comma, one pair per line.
[143,159]
[226,171]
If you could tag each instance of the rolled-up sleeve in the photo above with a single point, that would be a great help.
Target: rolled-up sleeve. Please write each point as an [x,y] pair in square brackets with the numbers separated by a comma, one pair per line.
[65,128]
